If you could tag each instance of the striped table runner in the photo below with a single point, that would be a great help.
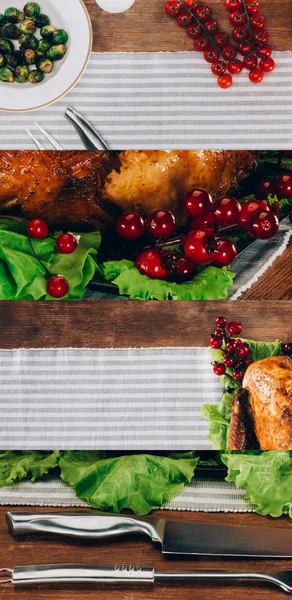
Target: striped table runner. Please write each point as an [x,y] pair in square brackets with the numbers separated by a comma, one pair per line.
[122,399]
[166,100]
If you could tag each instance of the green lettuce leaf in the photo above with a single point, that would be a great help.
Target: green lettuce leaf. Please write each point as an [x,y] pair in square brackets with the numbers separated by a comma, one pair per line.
[211,284]
[137,483]
[266,477]
[15,466]
[22,277]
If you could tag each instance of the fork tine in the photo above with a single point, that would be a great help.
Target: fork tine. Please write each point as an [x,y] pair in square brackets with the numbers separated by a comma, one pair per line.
[34,139]
[55,144]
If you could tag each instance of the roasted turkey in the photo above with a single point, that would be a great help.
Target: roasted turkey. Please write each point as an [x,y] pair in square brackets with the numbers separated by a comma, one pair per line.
[262,409]
[82,188]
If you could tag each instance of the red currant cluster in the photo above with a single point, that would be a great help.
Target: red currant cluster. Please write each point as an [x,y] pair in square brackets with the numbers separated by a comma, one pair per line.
[249,37]
[37,229]
[235,352]
[287,349]
[205,237]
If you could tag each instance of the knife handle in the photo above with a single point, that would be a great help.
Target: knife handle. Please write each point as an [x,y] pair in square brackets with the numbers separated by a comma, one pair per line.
[83,524]
[81,573]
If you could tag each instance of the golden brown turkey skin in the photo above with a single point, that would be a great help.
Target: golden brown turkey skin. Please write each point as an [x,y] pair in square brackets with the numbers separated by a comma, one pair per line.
[90,188]
[268,384]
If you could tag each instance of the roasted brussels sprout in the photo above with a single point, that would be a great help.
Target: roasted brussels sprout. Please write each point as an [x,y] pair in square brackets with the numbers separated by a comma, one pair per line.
[15,58]
[2,60]
[43,47]
[42,20]
[6,46]
[45,65]
[36,76]
[30,56]
[28,41]
[60,37]
[32,10]
[6,75]
[10,31]
[21,74]
[57,52]
[27,26]
[47,32]
[3,21]
[13,15]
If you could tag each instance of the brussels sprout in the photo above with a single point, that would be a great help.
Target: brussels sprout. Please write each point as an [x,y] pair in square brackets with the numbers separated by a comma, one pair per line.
[48,31]
[21,74]
[60,37]
[28,41]
[57,52]
[10,31]
[36,76]
[43,47]
[14,59]
[32,10]
[6,46]
[6,75]
[3,21]
[30,56]
[27,26]
[2,60]
[42,21]
[45,65]
[13,15]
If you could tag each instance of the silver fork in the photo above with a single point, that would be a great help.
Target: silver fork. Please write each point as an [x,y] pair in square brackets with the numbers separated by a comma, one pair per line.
[38,144]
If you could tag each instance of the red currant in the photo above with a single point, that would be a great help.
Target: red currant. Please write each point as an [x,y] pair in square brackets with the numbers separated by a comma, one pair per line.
[240,34]
[192,4]
[203,13]
[216,343]
[224,254]
[206,223]
[202,43]
[235,66]
[37,229]
[224,81]
[237,375]
[212,55]
[257,21]
[250,62]
[57,286]
[247,362]
[264,50]
[261,36]
[218,333]
[267,65]
[284,185]
[194,31]
[228,362]
[184,18]
[229,52]
[219,368]
[264,225]
[256,75]
[221,39]
[232,5]
[161,224]
[198,246]
[198,203]
[211,26]
[245,48]
[238,18]
[184,267]
[287,348]
[242,351]
[239,342]
[218,67]
[172,8]
[253,8]
[66,243]
[221,322]
[231,346]
[249,210]
[226,210]
[149,262]
[265,188]
[234,327]
[130,225]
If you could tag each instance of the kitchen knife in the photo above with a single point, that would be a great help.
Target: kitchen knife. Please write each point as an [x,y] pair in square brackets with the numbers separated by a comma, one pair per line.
[175,537]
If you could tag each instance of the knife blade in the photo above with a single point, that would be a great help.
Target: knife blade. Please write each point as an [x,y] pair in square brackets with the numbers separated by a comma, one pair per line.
[174,537]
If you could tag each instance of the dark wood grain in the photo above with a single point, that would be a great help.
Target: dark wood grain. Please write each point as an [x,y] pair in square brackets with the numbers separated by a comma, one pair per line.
[139,324]
[276,282]
[145,27]
[132,550]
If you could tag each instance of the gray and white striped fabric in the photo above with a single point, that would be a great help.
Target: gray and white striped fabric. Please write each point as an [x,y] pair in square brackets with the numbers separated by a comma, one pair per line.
[121,399]
[203,495]
[166,100]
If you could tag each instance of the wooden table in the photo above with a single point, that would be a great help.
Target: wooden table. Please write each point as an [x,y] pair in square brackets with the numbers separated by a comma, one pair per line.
[137,324]
[145,27]
[133,550]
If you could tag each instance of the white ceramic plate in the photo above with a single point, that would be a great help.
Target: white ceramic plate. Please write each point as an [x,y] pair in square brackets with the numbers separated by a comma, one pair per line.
[72,16]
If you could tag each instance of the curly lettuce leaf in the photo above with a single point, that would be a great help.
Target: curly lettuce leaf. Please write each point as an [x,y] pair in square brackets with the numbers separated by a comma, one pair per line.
[266,477]
[211,283]
[22,277]
[138,483]
[15,466]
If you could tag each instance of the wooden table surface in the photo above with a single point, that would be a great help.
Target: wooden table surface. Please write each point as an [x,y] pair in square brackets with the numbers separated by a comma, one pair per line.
[131,550]
[145,27]
[137,324]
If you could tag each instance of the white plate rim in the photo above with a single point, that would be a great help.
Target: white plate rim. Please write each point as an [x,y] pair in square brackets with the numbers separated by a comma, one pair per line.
[22,110]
